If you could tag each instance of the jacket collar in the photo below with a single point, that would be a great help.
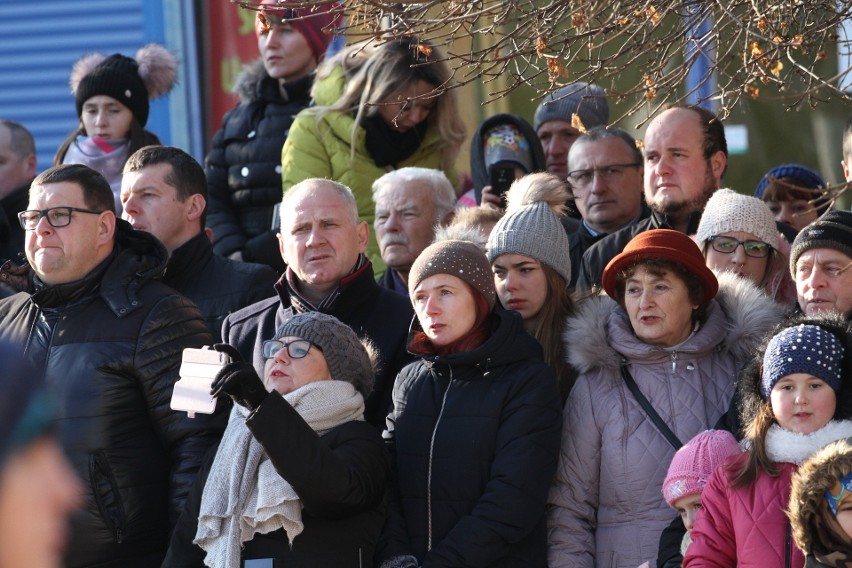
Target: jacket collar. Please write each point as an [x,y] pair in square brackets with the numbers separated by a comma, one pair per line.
[661,221]
[353,291]
[187,259]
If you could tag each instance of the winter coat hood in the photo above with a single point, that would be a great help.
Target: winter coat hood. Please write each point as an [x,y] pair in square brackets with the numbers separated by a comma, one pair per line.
[743,313]
[807,496]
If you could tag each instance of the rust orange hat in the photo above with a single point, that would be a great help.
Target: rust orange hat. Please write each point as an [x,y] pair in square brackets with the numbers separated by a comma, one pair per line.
[663,244]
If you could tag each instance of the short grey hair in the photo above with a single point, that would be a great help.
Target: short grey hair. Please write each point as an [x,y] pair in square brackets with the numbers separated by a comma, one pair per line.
[303,186]
[443,194]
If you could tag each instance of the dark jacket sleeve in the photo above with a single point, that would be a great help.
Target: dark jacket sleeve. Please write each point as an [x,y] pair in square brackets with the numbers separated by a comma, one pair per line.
[338,482]
[668,555]
[513,501]
[228,235]
[172,325]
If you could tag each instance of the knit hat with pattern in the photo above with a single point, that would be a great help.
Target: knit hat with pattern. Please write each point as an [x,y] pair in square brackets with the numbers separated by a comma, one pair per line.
[505,143]
[462,259]
[132,82]
[802,349]
[695,462]
[587,101]
[796,174]
[728,211]
[531,226]
[316,24]
[345,354]
[833,230]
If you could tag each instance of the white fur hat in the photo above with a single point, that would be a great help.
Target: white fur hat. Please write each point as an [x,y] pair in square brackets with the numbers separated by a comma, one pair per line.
[728,211]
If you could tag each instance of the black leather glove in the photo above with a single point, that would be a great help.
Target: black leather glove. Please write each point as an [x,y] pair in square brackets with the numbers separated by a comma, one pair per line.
[239,380]
[228,350]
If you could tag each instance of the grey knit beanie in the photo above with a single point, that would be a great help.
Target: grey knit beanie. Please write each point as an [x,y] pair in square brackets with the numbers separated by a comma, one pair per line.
[462,259]
[833,231]
[345,354]
[531,226]
[728,211]
[587,101]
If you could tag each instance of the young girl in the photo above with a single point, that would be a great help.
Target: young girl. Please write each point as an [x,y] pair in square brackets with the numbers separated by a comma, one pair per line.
[821,506]
[112,97]
[688,474]
[794,403]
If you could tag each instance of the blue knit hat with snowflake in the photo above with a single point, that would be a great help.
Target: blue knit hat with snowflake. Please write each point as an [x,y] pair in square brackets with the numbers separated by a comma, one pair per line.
[802,349]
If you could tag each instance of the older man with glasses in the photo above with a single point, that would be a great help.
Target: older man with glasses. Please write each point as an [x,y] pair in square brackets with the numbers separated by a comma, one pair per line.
[605,175]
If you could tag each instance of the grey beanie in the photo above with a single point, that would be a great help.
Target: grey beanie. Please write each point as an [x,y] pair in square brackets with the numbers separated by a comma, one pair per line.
[531,226]
[461,259]
[728,211]
[832,231]
[587,101]
[345,354]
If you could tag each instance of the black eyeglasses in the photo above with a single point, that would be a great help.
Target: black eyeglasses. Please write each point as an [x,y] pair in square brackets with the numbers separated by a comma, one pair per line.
[296,349]
[56,216]
[611,172]
[727,245]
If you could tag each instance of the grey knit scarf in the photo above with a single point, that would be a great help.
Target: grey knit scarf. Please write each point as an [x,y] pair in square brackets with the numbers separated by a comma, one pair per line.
[244,495]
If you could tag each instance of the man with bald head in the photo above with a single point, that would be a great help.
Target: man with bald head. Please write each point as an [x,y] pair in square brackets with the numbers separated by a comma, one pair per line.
[684,159]
[322,242]
[17,170]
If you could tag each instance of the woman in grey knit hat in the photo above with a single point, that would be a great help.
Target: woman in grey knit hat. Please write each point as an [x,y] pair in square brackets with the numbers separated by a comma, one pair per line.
[528,251]
[299,476]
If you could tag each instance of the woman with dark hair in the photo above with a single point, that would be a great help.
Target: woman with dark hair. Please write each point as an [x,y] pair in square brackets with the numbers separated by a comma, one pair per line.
[474,428]
[658,359]
[379,108]
[299,477]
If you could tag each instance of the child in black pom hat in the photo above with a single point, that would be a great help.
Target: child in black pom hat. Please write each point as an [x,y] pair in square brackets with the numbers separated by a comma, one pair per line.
[112,97]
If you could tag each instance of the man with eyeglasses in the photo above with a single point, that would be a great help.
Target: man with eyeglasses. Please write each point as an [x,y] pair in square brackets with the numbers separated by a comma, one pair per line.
[323,244]
[108,338]
[685,157]
[605,175]
[821,265]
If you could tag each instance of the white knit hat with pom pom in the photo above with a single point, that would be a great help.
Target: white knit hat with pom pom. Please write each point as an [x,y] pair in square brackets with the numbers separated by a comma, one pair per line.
[531,226]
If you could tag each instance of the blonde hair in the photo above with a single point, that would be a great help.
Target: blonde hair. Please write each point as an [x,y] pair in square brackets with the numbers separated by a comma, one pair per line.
[375,72]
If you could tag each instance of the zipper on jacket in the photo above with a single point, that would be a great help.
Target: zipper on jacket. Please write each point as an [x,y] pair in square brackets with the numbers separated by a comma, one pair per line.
[674,361]
[429,469]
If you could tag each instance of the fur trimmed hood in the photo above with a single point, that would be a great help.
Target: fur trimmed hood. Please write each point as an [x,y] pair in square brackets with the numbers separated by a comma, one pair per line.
[809,484]
[248,79]
[749,314]
[749,384]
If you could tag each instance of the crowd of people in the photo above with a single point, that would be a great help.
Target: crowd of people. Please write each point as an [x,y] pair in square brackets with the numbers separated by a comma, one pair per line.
[607,359]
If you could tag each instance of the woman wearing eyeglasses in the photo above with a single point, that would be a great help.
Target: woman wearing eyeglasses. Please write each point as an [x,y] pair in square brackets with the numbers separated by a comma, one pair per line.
[738,234]
[299,477]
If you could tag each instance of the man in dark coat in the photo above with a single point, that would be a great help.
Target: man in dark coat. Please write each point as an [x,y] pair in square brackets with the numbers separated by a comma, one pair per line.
[685,157]
[322,242]
[244,164]
[17,170]
[108,338]
[164,192]
[605,174]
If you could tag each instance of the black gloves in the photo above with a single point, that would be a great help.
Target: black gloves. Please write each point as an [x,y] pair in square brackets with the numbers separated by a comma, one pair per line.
[238,380]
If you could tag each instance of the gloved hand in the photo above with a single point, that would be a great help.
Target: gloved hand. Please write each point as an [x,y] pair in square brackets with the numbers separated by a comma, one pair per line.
[238,380]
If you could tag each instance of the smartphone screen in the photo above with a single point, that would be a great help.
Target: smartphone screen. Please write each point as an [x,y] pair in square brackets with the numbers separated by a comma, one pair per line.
[501,176]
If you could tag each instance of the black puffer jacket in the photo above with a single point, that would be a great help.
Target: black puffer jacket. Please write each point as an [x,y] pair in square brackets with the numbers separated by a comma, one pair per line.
[110,346]
[371,311]
[217,285]
[11,233]
[244,165]
[475,440]
[340,478]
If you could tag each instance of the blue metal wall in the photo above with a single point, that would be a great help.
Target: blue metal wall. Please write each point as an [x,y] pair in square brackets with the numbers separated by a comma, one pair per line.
[39,42]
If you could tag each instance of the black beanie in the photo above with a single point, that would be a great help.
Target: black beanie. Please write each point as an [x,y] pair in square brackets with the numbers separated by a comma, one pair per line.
[833,231]
[118,77]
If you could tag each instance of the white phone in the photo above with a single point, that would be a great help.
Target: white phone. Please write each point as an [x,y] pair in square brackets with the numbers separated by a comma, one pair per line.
[198,368]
